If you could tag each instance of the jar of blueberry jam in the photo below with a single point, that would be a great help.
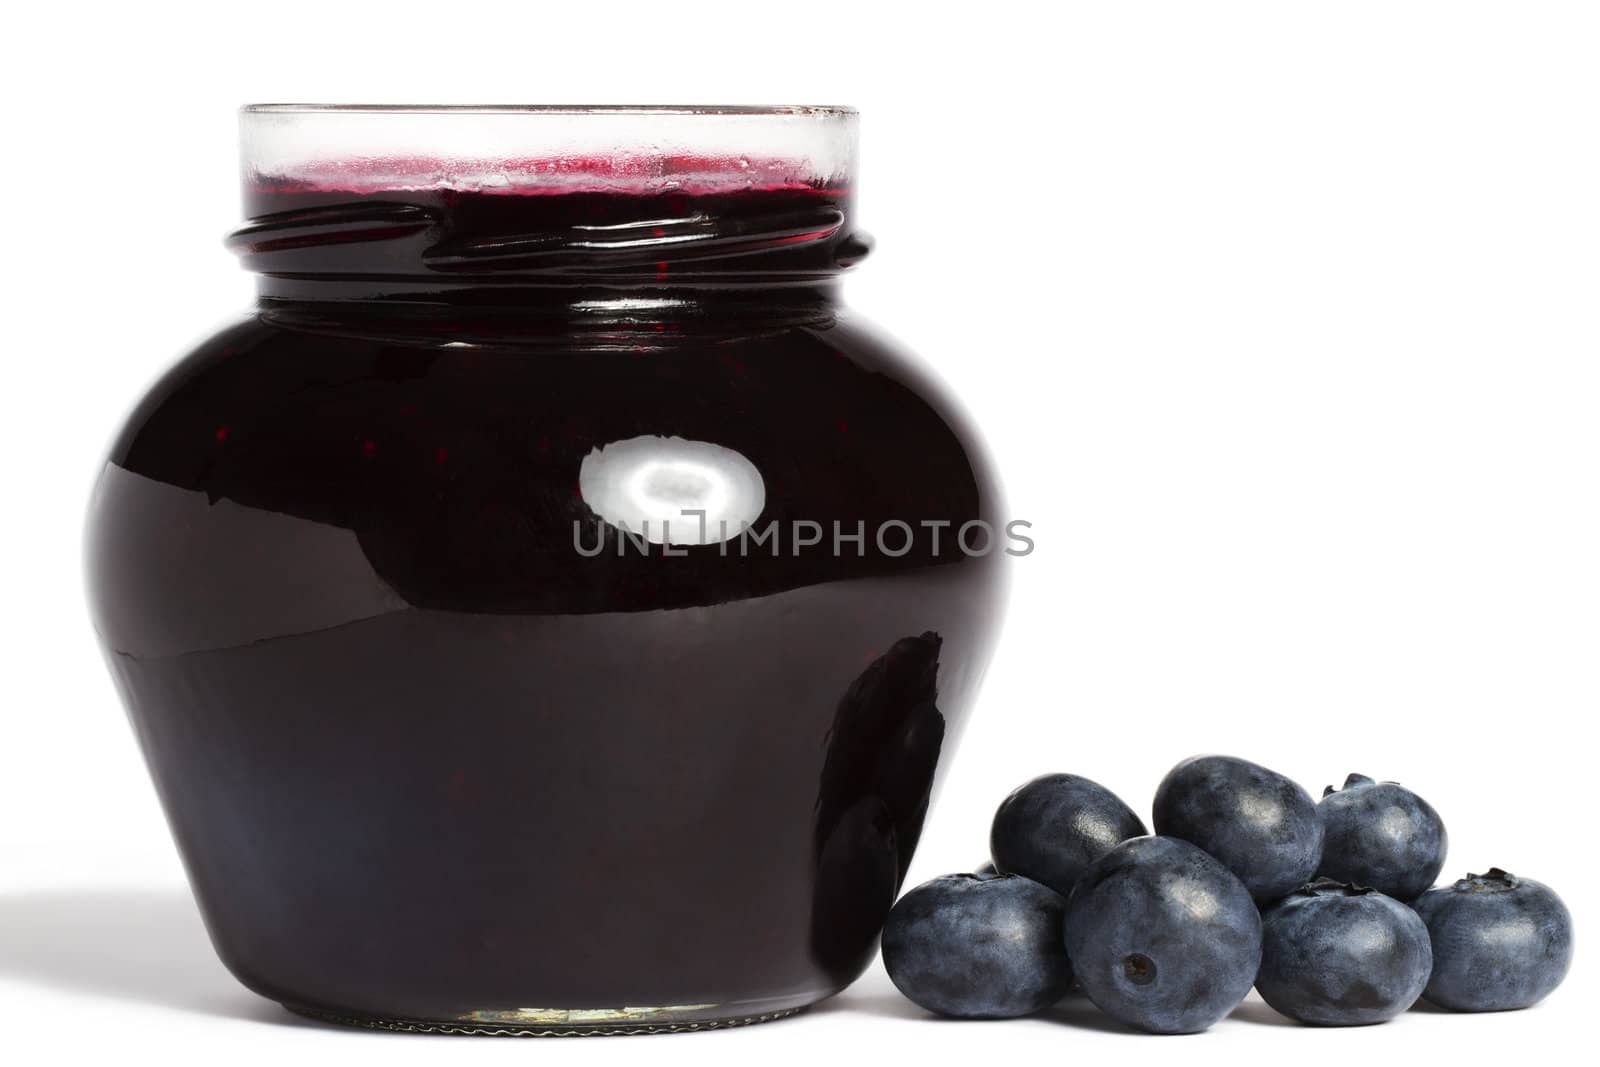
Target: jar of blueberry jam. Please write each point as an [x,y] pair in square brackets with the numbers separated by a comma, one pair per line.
[548,609]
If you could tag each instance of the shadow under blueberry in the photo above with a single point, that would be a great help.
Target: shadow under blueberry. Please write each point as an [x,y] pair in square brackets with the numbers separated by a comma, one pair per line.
[144,946]
[1257,1011]
[886,1004]
[1079,1011]
[1075,1010]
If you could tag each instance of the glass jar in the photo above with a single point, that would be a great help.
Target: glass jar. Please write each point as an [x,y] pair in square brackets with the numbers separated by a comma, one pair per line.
[549,607]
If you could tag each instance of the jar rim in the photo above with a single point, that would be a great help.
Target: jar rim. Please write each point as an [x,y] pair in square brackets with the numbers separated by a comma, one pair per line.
[517,148]
[728,110]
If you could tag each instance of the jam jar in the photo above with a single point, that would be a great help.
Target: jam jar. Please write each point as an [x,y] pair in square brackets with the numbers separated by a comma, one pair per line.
[548,608]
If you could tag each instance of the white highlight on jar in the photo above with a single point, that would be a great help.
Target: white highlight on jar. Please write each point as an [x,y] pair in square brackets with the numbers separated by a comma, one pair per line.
[669,490]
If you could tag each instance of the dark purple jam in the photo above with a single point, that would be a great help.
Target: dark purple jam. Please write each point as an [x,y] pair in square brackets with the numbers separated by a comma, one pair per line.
[694,221]
[426,760]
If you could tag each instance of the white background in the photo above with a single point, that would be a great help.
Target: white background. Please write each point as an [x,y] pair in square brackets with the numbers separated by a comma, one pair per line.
[1281,320]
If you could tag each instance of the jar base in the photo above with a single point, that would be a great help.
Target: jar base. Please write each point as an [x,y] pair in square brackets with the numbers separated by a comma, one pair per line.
[607,1022]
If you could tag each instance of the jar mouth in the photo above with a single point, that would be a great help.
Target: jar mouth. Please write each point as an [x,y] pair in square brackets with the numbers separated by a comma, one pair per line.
[539,194]
[729,110]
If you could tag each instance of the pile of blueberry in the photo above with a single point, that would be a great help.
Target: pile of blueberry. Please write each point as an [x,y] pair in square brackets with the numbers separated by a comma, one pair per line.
[1325,908]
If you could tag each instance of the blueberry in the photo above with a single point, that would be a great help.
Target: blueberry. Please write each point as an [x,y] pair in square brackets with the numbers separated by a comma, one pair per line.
[1499,942]
[1162,936]
[1262,826]
[1051,829]
[1381,835]
[1337,955]
[978,947]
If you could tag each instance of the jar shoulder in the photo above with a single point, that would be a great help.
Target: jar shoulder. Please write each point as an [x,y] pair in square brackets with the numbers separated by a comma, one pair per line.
[470,472]
[799,379]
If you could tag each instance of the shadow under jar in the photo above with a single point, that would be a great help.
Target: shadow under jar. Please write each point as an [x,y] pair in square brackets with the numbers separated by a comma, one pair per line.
[547,611]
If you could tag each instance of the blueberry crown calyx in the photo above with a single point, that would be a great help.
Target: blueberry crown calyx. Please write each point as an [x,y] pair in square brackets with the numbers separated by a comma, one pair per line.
[1326,886]
[1350,782]
[1494,880]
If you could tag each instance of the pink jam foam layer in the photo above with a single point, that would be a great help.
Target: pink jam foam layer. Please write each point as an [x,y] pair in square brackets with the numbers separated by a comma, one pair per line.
[643,173]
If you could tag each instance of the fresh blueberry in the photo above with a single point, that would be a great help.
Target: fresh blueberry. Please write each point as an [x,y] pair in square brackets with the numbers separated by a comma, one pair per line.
[1381,835]
[1162,936]
[1499,942]
[1262,826]
[1051,829]
[1338,955]
[978,947]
